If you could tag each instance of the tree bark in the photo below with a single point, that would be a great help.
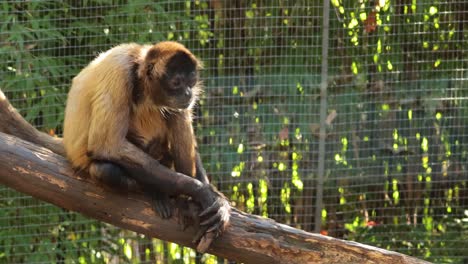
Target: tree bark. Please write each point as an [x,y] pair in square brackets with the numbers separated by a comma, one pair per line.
[32,162]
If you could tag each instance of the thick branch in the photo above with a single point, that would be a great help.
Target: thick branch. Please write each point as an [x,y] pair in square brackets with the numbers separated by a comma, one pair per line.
[39,172]
[12,123]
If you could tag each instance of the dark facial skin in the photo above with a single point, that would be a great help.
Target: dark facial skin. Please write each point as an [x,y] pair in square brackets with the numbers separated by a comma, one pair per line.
[178,82]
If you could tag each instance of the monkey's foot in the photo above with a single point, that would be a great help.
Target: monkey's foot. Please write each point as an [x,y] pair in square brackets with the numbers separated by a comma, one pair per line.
[161,204]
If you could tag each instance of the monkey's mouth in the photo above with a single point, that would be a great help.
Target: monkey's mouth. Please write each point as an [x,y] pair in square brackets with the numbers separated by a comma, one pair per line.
[181,104]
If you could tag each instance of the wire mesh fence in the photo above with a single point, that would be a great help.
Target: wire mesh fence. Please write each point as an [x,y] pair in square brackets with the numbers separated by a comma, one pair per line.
[394,125]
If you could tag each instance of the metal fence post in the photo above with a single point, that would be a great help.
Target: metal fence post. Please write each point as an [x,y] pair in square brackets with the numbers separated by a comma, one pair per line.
[323,116]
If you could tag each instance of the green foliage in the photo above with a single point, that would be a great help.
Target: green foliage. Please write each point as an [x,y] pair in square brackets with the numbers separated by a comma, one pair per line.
[445,242]
[396,149]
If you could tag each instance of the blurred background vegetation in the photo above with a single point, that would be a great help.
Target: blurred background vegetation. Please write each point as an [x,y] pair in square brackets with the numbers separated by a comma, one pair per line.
[396,146]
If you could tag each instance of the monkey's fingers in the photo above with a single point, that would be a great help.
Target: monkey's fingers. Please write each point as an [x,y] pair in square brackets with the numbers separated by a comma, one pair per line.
[220,203]
[219,220]
[162,209]
[201,232]
[162,205]
[211,220]
[211,209]
[219,226]
[215,224]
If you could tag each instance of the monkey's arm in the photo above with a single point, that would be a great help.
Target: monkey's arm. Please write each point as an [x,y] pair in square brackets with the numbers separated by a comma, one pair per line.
[148,171]
[184,150]
[187,160]
[200,170]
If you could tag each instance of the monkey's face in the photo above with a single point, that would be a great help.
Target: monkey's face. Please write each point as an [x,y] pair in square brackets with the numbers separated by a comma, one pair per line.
[173,78]
[179,82]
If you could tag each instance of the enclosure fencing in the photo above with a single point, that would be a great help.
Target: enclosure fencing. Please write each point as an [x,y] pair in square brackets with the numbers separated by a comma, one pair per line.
[348,118]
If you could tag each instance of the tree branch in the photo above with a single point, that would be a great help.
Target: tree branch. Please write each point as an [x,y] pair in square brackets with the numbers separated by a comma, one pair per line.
[43,172]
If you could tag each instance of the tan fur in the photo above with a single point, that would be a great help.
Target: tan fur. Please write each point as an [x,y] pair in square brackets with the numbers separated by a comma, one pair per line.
[148,122]
[100,114]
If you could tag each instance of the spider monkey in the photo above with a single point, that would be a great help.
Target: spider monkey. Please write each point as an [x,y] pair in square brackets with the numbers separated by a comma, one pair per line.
[128,121]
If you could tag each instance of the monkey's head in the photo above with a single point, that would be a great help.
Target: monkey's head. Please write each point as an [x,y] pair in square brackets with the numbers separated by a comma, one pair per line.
[171,72]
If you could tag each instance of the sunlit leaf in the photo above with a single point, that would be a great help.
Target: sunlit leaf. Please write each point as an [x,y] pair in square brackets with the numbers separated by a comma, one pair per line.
[389,66]
[249,14]
[335,3]
[353,23]
[433,10]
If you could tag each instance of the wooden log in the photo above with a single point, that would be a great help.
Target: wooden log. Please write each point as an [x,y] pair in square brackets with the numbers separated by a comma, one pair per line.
[36,170]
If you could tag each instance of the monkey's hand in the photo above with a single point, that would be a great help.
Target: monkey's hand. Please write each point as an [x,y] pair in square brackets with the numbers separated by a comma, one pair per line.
[214,217]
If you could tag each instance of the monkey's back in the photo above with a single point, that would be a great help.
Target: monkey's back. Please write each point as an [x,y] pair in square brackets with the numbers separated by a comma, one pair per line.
[100,85]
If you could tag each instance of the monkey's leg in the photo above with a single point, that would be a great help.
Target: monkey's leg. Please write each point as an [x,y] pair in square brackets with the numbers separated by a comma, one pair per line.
[111,175]
[114,176]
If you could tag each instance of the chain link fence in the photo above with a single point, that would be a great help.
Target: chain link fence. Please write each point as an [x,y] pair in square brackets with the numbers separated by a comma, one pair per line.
[349,119]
